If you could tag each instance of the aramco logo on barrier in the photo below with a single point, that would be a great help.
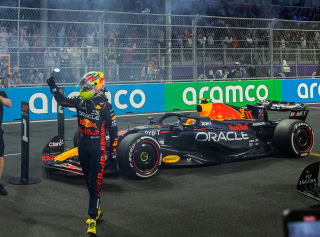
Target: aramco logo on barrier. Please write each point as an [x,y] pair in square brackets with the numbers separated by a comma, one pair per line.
[218,95]
[307,91]
[135,99]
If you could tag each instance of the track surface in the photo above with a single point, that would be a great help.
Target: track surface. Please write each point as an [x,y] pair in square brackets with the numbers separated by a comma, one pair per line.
[237,199]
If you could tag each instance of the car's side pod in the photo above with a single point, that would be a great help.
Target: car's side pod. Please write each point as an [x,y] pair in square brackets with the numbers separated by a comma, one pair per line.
[258,112]
[300,114]
[308,181]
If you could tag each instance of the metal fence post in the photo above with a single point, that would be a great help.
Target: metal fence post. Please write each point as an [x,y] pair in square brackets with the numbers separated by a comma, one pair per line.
[44,22]
[272,24]
[181,55]
[101,41]
[18,35]
[297,64]
[194,48]
[169,39]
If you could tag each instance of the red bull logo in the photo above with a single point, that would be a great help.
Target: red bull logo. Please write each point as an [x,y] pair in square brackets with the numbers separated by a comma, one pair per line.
[87,123]
[238,127]
[89,131]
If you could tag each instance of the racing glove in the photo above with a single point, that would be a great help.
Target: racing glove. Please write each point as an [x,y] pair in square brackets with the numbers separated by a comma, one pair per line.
[52,84]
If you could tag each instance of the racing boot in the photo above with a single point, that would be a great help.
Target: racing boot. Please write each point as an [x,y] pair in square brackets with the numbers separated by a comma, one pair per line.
[97,218]
[92,227]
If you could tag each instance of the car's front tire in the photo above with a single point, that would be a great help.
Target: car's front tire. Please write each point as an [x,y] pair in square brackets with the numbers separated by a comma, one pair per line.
[139,156]
[293,137]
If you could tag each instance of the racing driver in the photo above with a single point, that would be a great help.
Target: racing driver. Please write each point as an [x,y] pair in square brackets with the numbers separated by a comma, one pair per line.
[95,116]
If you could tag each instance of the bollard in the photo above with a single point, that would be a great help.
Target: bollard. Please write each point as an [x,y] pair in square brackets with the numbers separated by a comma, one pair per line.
[24,179]
[61,117]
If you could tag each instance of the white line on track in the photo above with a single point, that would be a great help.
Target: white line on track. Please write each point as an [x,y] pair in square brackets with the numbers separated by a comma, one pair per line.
[119,116]
[16,154]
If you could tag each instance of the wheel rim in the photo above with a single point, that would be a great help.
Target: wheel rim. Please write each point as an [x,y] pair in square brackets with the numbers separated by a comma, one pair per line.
[146,157]
[303,139]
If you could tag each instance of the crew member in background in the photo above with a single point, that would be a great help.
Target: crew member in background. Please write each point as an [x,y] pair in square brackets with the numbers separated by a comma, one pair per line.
[95,116]
[222,74]
[238,72]
[4,100]
[150,71]
[6,81]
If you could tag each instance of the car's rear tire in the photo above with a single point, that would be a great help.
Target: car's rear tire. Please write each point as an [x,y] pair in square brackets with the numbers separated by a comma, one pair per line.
[293,137]
[76,139]
[139,156]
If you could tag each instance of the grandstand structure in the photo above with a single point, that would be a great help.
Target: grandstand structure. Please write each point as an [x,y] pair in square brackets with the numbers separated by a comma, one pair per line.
[147,48]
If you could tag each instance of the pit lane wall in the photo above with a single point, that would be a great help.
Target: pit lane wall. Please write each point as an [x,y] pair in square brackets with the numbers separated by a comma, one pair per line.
[143,98]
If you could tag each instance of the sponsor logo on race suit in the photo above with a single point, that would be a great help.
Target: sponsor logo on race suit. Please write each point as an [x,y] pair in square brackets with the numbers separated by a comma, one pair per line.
[113,123]
[54,144]
[94,115]
[87,123]
[89,132]
[238,127]
[217,137]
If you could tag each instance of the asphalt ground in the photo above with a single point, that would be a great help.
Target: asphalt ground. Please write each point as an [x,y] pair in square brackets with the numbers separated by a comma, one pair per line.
[244,198]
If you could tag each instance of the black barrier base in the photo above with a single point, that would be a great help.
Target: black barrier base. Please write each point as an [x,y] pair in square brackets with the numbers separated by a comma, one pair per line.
[20,181]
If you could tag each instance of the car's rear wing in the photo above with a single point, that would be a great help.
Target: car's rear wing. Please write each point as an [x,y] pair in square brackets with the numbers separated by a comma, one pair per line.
[299,114]
[308,181]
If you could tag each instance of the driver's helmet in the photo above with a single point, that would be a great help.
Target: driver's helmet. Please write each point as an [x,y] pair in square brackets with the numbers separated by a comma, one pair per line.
[91,84]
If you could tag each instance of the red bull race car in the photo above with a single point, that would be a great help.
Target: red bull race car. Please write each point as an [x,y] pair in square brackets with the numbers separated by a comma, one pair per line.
[218,133]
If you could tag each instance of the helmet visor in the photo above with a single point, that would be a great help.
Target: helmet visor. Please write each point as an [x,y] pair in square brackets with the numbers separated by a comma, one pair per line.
[86,85]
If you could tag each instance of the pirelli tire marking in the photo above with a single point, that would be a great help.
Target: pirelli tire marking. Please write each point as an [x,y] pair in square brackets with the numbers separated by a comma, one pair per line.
[154,169]
[297,127]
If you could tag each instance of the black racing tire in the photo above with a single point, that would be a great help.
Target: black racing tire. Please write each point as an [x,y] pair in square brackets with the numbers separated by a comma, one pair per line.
[293,137]
[76,139]
[139,156]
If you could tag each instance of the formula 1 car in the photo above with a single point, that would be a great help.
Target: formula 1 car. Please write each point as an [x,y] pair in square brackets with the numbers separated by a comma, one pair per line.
[279,106]
[219,133]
